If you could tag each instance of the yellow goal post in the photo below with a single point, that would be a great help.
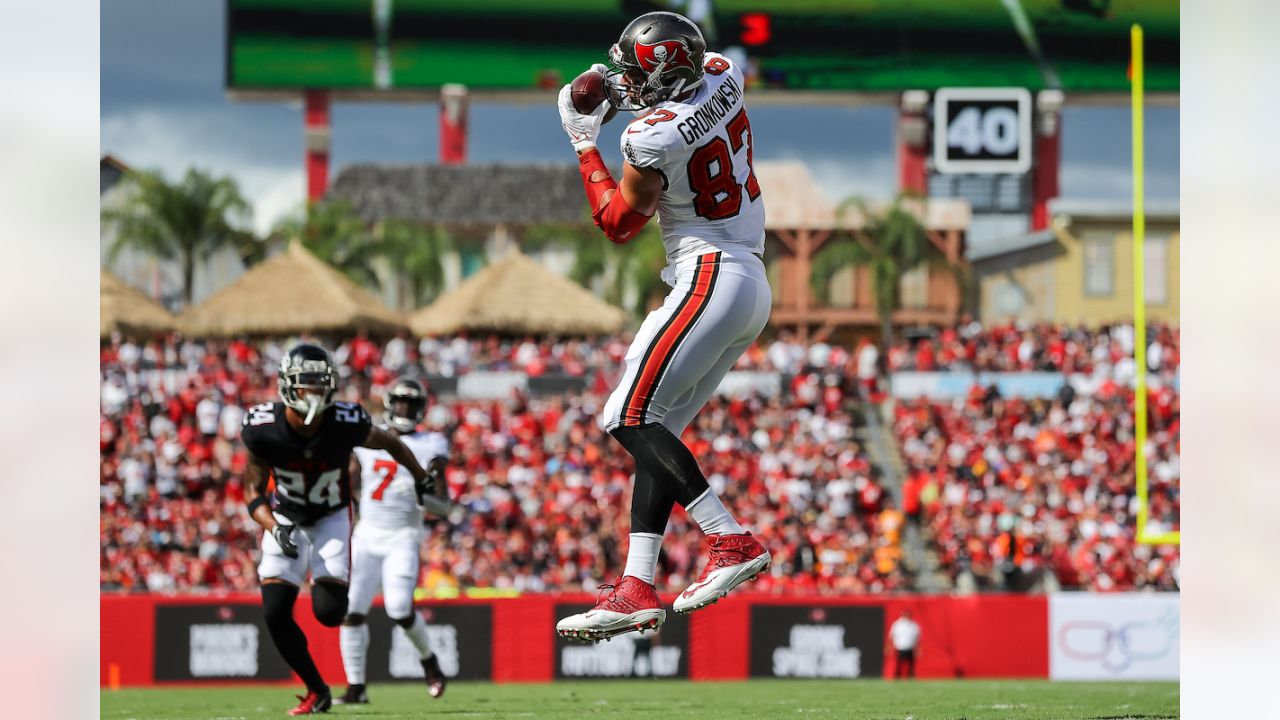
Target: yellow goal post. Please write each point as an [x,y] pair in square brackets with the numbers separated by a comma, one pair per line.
[1139,308]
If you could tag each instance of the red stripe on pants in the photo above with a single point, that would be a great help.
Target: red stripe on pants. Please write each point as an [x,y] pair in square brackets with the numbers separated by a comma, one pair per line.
[633,413]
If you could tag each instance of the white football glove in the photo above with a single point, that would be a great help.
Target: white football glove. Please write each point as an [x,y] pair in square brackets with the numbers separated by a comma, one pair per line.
[581,129]
[437,506]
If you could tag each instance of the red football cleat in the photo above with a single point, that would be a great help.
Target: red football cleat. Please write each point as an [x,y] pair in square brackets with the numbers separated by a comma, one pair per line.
[631,605]
[734,559]
[313,703]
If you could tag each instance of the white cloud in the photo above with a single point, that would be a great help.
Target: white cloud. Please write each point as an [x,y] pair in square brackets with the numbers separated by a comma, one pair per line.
[868,177]
[174,141]
[283,195]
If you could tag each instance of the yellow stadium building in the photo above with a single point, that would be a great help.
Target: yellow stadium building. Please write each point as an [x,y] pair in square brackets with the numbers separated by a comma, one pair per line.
[1080,270]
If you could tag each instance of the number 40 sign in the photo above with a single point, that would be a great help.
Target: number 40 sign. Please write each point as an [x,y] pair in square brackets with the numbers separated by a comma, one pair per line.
[982,130]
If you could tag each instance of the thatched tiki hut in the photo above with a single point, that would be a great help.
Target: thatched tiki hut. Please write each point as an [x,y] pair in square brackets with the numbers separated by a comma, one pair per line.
[516,295]
[289,294]
[127,310]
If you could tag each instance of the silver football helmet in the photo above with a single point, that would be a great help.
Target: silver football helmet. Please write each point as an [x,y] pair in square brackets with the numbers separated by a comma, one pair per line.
[308,380]
[658,57]
[405,404]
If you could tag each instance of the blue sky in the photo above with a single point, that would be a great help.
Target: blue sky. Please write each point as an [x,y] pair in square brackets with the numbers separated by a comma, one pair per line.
[164,107]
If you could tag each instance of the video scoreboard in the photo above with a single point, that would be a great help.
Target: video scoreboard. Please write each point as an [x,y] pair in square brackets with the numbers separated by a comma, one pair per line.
[801,45]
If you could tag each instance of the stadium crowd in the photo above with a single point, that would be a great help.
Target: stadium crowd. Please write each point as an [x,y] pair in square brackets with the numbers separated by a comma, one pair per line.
[547,493]
[1045,347]
[1013,491]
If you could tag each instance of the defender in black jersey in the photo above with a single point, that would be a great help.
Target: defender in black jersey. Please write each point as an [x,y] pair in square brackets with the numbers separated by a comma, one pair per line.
[304,444]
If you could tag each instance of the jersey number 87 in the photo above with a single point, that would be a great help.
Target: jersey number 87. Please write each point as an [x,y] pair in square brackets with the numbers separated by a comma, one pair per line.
[710,172]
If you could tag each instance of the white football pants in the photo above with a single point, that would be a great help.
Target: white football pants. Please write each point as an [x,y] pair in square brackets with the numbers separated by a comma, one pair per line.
[718,304]
[386,558]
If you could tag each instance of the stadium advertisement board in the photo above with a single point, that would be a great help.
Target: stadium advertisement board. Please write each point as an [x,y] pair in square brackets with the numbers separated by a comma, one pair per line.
[459,635]
[951,385]
[664,654]
[492,385]
[737,383]
[215,642]
[148,639]
[908,385]
[1113,637]
[817,641]
[485,385]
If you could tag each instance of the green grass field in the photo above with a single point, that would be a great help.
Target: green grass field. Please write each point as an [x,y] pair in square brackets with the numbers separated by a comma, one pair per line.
[677,700]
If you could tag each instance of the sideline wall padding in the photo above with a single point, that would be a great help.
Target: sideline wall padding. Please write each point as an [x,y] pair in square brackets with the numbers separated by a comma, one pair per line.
[977,636]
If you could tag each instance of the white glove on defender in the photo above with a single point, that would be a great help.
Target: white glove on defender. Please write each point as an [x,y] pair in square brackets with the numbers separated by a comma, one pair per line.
[581,129]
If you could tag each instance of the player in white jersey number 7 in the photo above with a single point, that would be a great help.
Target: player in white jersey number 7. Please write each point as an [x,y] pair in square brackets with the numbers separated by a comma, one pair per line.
[386,541]
[688,158]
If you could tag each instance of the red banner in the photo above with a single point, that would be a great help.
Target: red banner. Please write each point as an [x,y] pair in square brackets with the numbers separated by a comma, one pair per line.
[217,640]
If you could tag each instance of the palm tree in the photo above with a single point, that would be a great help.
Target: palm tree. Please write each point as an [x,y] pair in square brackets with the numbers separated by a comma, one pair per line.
[891,244]
[187,221]
[336,234]
[251,247]
[590,254]
[635,265]
[417,253]
[640,264]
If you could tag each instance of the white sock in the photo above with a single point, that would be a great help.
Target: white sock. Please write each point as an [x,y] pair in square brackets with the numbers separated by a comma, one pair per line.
[417,634]
[642,556]
[711,515]
[353,641]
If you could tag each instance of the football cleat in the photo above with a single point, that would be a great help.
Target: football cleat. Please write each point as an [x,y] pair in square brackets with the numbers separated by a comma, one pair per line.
[313,703]
[434,676]
[355,695]
[733,560]
[632,606]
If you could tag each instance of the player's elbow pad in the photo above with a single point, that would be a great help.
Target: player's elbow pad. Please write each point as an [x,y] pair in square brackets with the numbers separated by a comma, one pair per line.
[610,212]
[618,221]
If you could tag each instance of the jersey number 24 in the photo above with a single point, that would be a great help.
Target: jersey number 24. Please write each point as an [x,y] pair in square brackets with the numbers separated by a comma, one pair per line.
[716,194]
[325,491]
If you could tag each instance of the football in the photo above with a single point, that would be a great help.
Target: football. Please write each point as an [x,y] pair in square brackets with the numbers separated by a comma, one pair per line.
[588,91]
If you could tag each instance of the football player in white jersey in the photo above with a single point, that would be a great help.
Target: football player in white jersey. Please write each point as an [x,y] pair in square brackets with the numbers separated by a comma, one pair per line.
[688,159]
[387,539]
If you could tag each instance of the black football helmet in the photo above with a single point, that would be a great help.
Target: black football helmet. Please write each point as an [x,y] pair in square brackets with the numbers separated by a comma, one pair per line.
[309,368]
[658,57]
[405,405]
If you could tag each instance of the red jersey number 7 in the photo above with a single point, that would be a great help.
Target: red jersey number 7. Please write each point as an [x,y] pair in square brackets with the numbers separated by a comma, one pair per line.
[388,470]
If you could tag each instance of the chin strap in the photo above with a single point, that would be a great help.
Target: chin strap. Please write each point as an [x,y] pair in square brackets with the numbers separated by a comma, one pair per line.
[312,407]
[608,208]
